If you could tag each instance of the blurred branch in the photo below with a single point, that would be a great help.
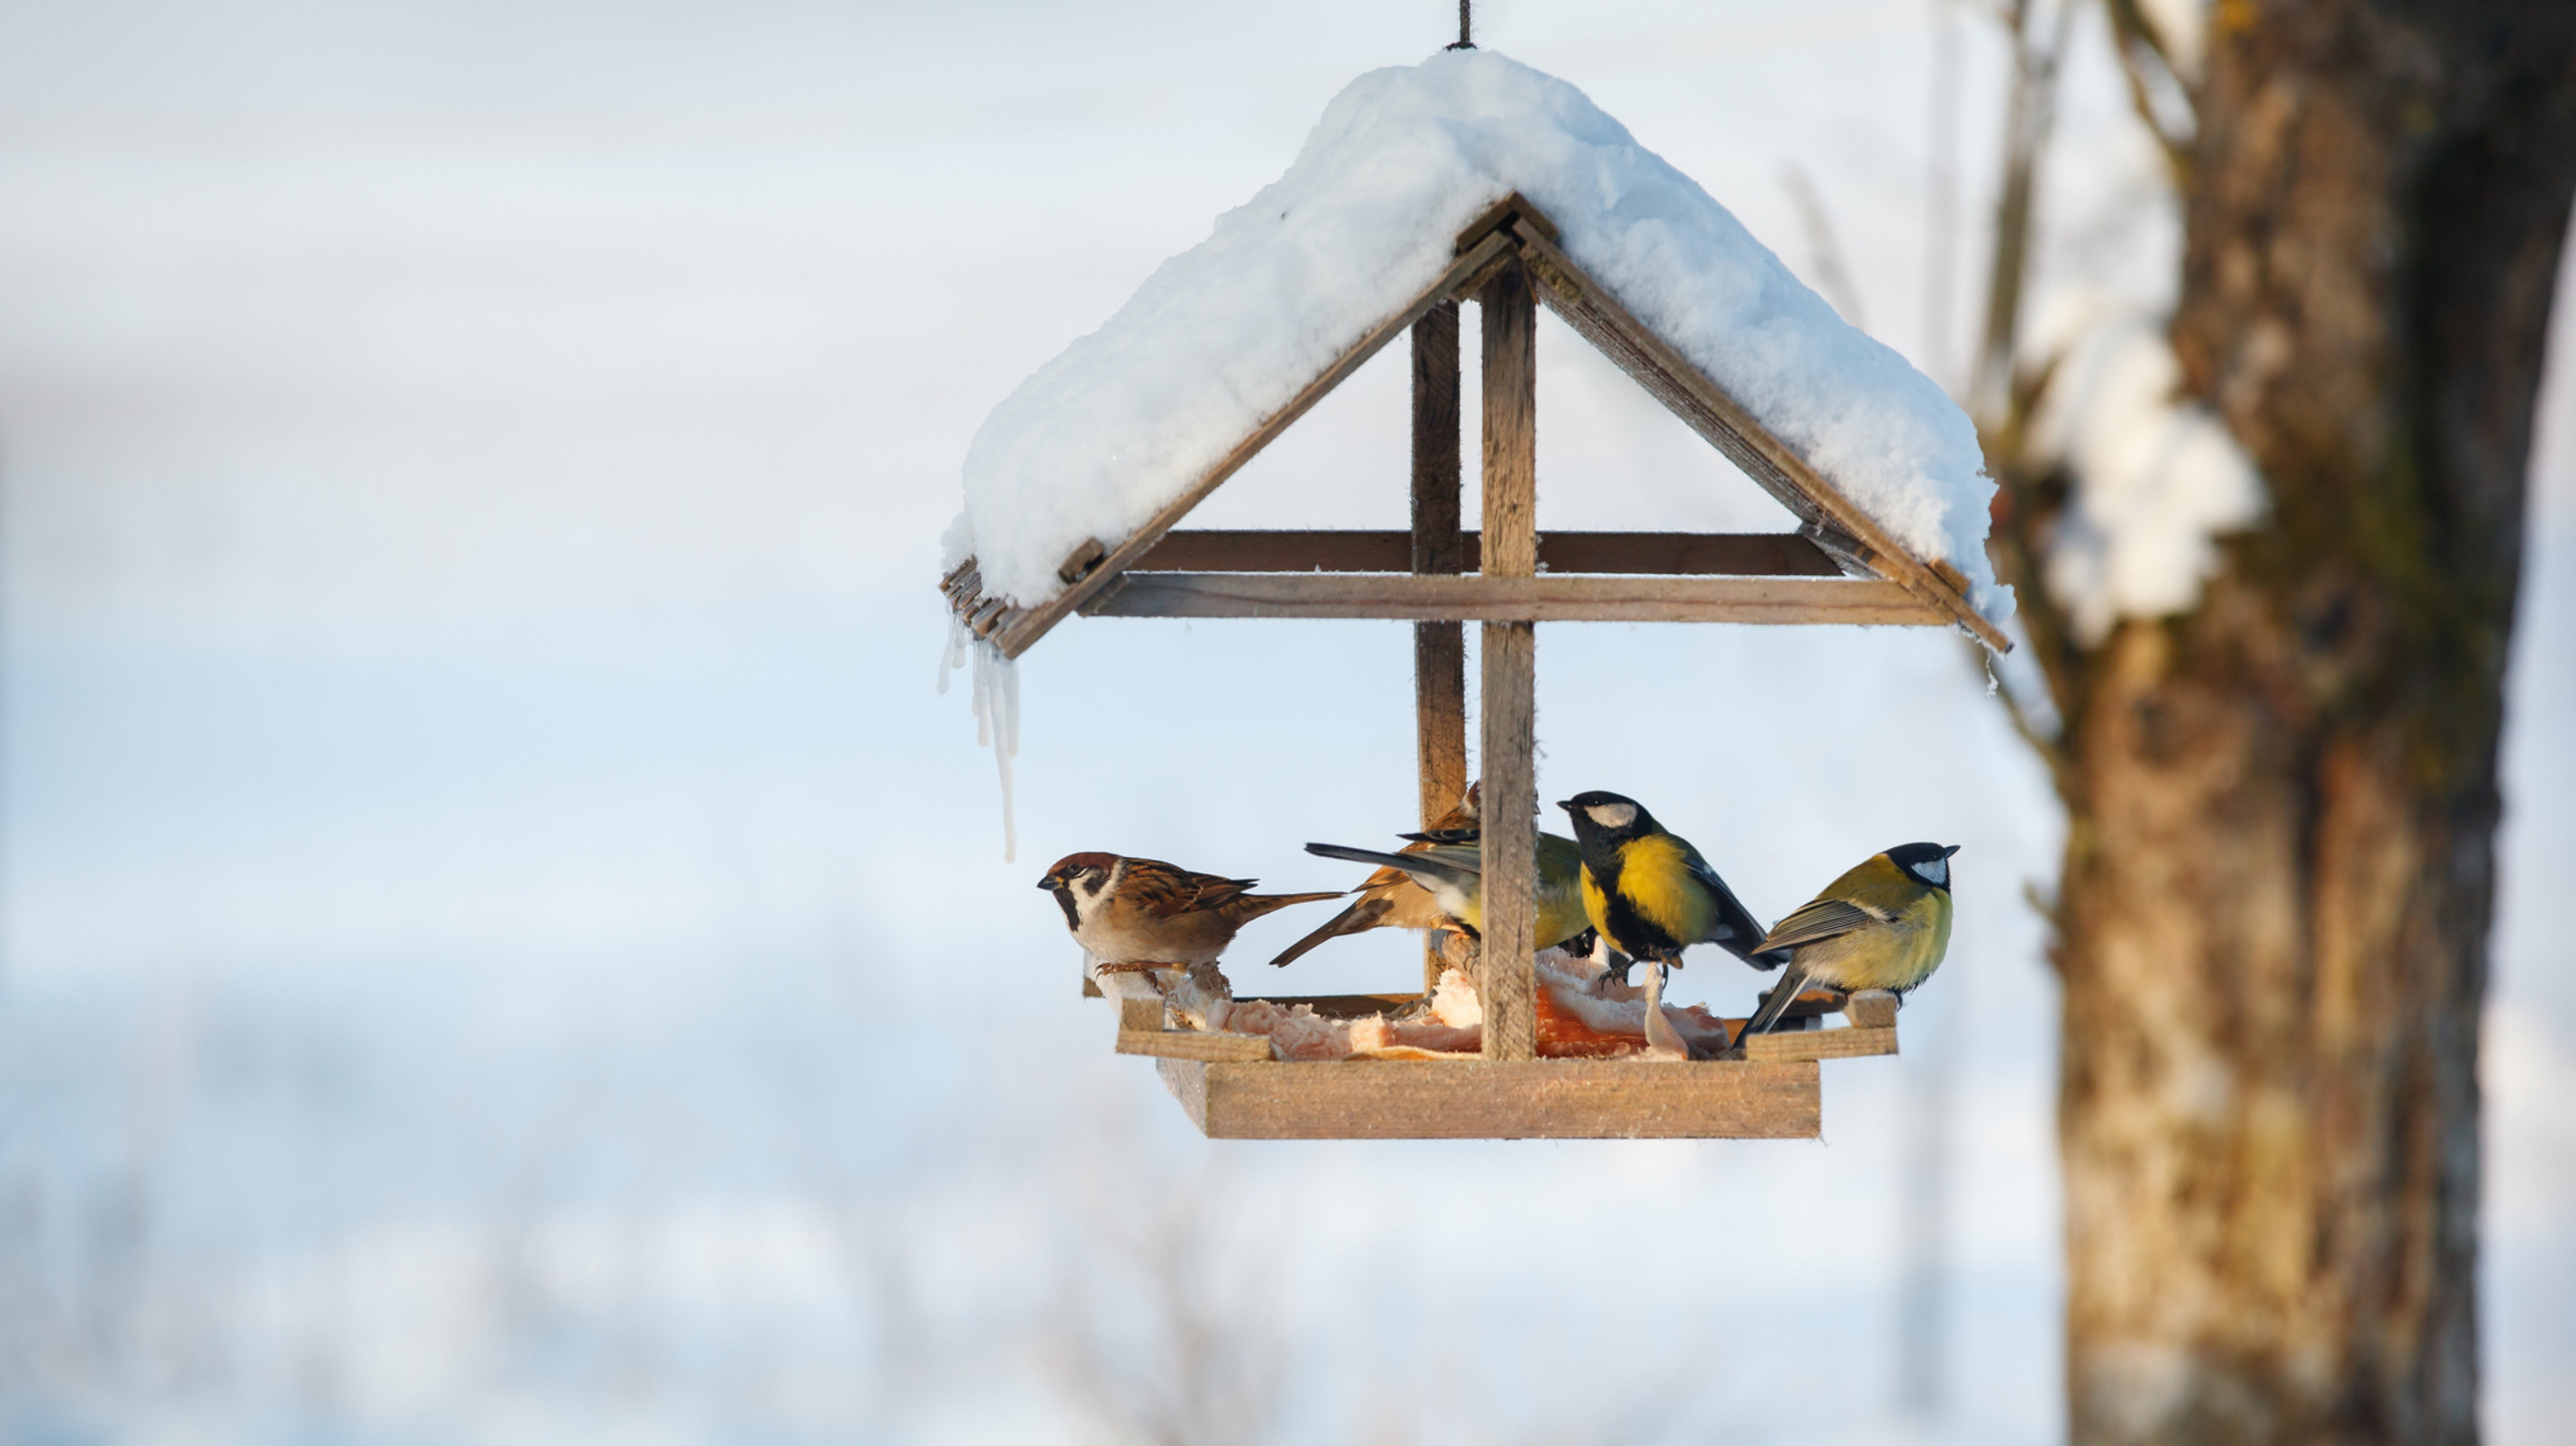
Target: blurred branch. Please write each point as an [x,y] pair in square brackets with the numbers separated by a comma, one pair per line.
[2156,89]
[1160,1330]
[2030,115]
[2030,491]
[1824,252]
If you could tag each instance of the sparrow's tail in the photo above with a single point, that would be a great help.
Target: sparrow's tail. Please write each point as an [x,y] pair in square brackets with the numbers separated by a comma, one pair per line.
[1358,918]
[1781,993]
[1419,866]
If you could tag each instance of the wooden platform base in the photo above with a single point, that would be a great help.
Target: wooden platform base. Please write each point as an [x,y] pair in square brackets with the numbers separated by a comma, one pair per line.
[1555,1099]
[1233,1090]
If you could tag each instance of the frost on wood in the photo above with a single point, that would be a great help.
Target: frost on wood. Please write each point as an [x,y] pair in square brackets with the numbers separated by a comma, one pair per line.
[2156,479]
[1225,334]
[997,710]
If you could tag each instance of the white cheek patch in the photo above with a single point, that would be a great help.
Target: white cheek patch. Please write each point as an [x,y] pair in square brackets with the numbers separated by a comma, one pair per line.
[1613,815]
[1935,873]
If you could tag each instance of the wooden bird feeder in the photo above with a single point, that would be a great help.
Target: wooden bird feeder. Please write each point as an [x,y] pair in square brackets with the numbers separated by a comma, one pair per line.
[1840,566]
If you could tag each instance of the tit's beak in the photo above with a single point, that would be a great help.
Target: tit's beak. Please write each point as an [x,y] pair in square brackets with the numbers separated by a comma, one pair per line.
[1952,849]
[1566,804]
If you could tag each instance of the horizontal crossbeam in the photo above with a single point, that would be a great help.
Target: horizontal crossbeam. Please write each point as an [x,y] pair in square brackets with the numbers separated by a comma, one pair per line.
[1546,598]
[1754,554]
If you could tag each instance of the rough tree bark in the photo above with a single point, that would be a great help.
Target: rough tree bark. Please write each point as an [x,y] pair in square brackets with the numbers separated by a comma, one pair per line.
[2273,920]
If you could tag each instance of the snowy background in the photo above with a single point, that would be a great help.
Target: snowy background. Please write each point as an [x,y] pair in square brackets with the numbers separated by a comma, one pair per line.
[502,943]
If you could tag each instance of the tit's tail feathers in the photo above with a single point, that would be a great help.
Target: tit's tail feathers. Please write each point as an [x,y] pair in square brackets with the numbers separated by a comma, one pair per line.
[1418,866]
[1256,905]
[1781,993]
[1357,919]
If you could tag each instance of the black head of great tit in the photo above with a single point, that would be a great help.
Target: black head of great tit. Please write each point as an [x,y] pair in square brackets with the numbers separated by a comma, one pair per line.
[1883,925]
[1649,893]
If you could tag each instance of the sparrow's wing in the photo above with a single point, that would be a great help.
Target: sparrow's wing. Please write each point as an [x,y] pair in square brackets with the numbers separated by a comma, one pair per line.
[1734,929]
[1471,833]
[1162,890]
[1819,920]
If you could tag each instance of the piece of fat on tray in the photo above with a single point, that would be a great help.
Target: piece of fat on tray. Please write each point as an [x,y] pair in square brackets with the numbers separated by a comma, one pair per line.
[1574,1021]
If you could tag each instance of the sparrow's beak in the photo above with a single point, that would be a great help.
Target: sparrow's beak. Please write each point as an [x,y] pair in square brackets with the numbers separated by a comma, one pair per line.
[1049,882]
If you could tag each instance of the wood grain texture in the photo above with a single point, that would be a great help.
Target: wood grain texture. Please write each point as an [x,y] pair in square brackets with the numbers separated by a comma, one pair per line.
[1709,410]
[1507,981]
[1821,1044]
[1032,623]
[1871,1009]
[1756,600]
[1193,1044]
[1498,1100]
[1717,554]
[1434,547]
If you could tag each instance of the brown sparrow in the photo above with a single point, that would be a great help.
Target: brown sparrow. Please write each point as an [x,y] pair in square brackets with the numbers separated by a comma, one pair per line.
[1147,914]
[1390,899]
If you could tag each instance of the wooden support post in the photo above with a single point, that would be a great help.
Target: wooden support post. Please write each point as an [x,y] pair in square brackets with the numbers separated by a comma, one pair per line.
[1507,981]
[1439,649]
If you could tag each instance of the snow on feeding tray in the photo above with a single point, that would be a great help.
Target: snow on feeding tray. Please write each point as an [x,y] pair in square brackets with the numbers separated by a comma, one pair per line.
[1469,178]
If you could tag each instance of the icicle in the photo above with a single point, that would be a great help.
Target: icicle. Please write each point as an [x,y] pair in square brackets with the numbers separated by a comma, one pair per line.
[997,723]
[952,656]
[1993,683]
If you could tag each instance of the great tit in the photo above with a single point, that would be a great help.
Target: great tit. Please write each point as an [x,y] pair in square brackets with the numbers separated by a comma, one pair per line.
[1650,893]
[1884,925]
[1451,866]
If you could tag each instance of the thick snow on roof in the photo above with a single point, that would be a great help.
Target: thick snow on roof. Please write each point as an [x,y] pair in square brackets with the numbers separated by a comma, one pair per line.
[1223,335]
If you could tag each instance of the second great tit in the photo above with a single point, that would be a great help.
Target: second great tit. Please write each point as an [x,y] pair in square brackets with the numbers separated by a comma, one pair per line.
[1884,925]
[1452,868]
[1650,893]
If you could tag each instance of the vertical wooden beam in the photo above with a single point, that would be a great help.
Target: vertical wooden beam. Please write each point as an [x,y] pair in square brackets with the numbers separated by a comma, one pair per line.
[1439,649]
[1507,981]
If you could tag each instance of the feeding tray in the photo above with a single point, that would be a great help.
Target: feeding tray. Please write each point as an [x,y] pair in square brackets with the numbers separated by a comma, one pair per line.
[1233,1087]
[1096,431]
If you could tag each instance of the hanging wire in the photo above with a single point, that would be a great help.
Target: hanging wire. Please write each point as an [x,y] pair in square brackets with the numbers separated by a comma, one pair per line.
[1466,35]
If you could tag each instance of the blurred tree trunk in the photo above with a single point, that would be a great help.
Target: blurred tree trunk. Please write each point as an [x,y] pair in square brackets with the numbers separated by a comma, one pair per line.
[2279,872]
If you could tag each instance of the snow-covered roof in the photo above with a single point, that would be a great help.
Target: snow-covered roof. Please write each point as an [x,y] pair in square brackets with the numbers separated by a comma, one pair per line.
[1222,336]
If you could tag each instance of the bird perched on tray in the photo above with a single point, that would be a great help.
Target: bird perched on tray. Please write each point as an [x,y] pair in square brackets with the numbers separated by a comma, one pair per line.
[1144,913]
[1450,866]
[1884,925]
[1650,893]
[1389,898]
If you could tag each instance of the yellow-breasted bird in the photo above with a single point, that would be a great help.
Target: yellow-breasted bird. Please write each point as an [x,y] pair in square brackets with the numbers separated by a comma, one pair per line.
[1389,898]
[1451,866]
[1650,893]
[1884,925]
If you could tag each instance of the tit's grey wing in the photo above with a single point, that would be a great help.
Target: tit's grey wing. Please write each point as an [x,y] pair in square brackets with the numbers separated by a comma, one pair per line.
[1734,930]
[1427,866]
[1820,920]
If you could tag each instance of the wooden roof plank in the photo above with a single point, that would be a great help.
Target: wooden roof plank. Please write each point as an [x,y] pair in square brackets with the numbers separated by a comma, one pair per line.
[1034,622]
[1593,312]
